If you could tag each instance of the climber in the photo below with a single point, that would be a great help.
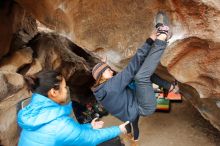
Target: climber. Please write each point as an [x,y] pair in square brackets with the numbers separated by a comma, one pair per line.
[114,92]
[46,120]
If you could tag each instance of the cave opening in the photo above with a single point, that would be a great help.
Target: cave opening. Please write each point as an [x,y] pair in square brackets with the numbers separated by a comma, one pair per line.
[55,52]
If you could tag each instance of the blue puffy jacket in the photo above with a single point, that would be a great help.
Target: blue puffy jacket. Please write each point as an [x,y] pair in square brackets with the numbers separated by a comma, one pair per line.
[46,123]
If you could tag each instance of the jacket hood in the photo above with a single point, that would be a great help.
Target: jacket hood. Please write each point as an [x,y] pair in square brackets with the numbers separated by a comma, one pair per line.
[99,92]
[40,111]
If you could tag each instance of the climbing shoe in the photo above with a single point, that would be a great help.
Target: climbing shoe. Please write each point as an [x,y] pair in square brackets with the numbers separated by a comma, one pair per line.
[175,87]
[162,24]
[161,19]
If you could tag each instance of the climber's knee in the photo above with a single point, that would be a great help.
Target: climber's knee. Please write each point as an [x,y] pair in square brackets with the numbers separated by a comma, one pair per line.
[148,110]
[144,112]
[139,79]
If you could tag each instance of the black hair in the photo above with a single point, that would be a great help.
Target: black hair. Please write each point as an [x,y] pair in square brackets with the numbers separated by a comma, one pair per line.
[43,81]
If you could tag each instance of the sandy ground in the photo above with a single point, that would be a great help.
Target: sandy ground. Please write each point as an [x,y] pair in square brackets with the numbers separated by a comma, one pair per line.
[183,126]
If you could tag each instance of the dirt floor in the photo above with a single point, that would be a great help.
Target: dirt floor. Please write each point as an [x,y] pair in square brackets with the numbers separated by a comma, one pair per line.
[183,126]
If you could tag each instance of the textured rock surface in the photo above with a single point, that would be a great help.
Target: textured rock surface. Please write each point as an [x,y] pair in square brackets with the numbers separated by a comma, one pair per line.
[10,83]
[119,29]
[11,92]
[8,119]
[14,62]
[115,28]
[17,27]
[196,62]
[206,107]
[55,52]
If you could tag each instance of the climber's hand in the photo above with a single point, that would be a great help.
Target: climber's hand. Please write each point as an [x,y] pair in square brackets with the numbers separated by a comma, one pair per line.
[123,128]
[97,124]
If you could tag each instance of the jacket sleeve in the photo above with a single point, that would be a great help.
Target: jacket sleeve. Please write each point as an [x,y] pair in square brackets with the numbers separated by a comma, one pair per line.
[75,134]
[122,79]
[88,125]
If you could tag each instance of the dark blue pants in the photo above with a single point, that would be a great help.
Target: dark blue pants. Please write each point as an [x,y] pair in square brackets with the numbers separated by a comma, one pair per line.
[144,91]
[133,125]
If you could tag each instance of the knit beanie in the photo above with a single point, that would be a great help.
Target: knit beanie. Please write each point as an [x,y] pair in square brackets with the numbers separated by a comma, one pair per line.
[98,69]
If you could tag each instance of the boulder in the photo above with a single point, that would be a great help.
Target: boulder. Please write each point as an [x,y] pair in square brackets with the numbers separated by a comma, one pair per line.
[16,29]
[116,29]
[34,68]
[55,52]
[9,130]
[119,27]
[195,62]
[10,84]
[19,58]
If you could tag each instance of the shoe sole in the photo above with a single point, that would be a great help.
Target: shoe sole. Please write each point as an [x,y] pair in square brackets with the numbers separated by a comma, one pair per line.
[161,17]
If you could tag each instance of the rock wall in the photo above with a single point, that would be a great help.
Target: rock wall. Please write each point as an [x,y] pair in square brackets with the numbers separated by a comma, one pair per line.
[45,51]
[9,130]
[116,28]
[113,28]
[17,26]
[54,52]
